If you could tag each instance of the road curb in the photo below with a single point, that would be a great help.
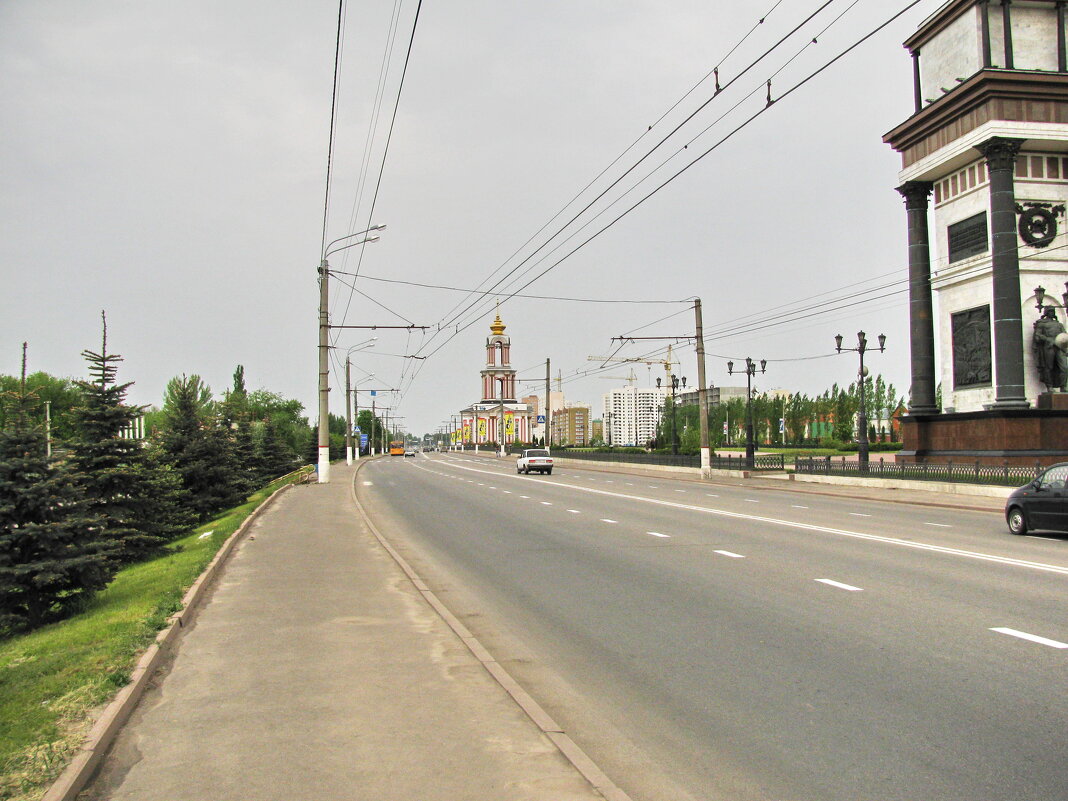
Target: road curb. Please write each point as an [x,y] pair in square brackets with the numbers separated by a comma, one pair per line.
[567,747]
[92,751]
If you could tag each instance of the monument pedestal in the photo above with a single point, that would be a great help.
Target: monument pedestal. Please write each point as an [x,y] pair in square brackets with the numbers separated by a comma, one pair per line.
[992,437]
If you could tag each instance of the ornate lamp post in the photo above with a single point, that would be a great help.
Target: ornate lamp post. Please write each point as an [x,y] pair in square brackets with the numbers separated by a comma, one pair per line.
[862,416]
[1040,298]
[676,382]
[750,371]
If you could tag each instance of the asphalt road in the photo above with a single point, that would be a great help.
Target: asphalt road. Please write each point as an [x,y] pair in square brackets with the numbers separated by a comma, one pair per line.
[714,641]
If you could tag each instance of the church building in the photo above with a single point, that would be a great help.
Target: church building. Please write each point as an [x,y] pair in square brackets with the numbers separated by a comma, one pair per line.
[499,410]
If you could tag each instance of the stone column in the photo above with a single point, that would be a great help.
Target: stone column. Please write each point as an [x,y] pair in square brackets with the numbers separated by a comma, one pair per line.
[921,310]
[1008,323]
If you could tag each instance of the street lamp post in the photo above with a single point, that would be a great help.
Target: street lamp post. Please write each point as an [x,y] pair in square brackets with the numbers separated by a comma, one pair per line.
[349,395]
[675,383]
[750,371]
[324,345]
[862,415]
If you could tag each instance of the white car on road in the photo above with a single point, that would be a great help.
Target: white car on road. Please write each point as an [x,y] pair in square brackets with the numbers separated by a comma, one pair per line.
[535,459]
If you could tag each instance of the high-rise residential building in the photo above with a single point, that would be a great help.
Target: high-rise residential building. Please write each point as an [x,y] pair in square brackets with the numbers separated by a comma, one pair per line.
[571,426]
[632,414]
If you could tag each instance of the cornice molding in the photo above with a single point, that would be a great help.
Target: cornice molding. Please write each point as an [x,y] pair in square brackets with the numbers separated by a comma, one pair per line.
[984,86]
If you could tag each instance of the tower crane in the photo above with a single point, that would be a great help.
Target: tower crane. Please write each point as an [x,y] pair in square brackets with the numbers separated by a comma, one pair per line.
[631,379]
[648,362]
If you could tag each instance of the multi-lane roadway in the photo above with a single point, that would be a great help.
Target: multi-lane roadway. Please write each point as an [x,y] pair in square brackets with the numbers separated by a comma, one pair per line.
[716,641]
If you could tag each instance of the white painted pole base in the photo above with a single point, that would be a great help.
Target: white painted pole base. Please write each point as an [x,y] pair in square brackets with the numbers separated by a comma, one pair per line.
[706,463]
[348,455]
[324,465]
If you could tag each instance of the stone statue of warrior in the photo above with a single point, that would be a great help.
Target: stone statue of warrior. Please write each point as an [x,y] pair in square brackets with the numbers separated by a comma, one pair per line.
[1049,342]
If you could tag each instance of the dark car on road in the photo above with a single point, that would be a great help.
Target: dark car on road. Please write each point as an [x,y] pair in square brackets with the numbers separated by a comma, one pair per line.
[1042,504]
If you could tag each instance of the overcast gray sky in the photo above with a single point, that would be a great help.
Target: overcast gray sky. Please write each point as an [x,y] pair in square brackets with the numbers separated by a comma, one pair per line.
[166,162]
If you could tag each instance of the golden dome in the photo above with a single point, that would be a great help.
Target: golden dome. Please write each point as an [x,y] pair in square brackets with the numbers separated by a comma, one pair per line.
[497,327]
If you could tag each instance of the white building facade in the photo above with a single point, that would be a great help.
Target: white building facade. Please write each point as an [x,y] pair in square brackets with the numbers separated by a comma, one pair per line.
[632,415]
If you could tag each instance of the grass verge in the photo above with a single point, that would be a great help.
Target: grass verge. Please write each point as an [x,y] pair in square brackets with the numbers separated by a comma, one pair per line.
[54,680]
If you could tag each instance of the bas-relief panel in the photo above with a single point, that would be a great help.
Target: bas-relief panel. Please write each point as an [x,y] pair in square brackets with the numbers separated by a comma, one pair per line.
[972,365]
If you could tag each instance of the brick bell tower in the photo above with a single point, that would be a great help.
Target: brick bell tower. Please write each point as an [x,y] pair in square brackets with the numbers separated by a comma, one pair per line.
[498,377]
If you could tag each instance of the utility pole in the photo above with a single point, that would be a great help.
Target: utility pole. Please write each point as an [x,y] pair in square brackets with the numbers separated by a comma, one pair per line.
[500,424]
[348,412]
[548,408]
[702,392]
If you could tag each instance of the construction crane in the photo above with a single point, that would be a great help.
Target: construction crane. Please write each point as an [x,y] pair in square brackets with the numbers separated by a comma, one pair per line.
[630,379]
[648,362]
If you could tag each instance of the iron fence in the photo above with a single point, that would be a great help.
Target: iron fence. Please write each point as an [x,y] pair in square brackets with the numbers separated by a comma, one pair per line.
[768,462]
[1004,475]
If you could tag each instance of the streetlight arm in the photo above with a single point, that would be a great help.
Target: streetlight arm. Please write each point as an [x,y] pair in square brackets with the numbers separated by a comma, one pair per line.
[327,251]
[350,245]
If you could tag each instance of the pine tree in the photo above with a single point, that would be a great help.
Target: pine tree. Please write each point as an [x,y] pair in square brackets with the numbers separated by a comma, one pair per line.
[53,553]
[118,480]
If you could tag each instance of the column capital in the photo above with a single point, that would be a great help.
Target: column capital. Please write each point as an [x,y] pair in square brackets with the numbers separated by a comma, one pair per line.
[1000,152]
[916,193]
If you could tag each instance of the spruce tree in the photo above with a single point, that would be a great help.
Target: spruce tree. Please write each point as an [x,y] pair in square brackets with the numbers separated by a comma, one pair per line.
[118,480]
[274,458]
[201,451]
[53,553]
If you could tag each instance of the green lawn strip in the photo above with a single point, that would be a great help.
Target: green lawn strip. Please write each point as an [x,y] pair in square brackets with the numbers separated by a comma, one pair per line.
[53,681]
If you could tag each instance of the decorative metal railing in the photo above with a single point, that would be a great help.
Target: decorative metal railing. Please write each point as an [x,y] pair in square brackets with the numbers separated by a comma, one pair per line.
[768,462]
[1005,475]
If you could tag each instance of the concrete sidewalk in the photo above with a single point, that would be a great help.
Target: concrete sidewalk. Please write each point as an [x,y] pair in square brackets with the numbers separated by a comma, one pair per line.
[318,670]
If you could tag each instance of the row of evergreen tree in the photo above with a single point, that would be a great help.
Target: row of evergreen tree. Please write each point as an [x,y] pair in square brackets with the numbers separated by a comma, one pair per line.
[73,515]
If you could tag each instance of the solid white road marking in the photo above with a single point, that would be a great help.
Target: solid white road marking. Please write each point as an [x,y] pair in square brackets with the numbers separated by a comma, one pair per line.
[731,555]
[839,585]
[1023,635]
[658,534]
[840,532]
[1036,537]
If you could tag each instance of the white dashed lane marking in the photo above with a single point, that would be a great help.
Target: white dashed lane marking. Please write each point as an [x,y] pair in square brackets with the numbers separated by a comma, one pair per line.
[657,534]
[939,525]
[606,520]
[730,554]
[839,585]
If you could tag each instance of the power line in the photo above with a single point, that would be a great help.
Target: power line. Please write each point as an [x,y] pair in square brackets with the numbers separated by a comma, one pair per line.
[389,137]
[625,173]
[528,297]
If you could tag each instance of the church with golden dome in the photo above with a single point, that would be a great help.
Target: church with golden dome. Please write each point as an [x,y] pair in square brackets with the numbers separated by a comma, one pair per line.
[499,409]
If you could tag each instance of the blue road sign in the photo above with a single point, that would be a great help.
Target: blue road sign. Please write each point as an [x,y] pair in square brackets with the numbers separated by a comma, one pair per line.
[541,419]
[363,440]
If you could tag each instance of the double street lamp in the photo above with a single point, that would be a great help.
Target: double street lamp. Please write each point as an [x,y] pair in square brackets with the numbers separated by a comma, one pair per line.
[750,371]
[324,343]
[862,416]
[676,382]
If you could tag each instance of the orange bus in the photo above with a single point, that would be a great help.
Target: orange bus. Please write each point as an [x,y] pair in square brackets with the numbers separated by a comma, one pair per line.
[396,448]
